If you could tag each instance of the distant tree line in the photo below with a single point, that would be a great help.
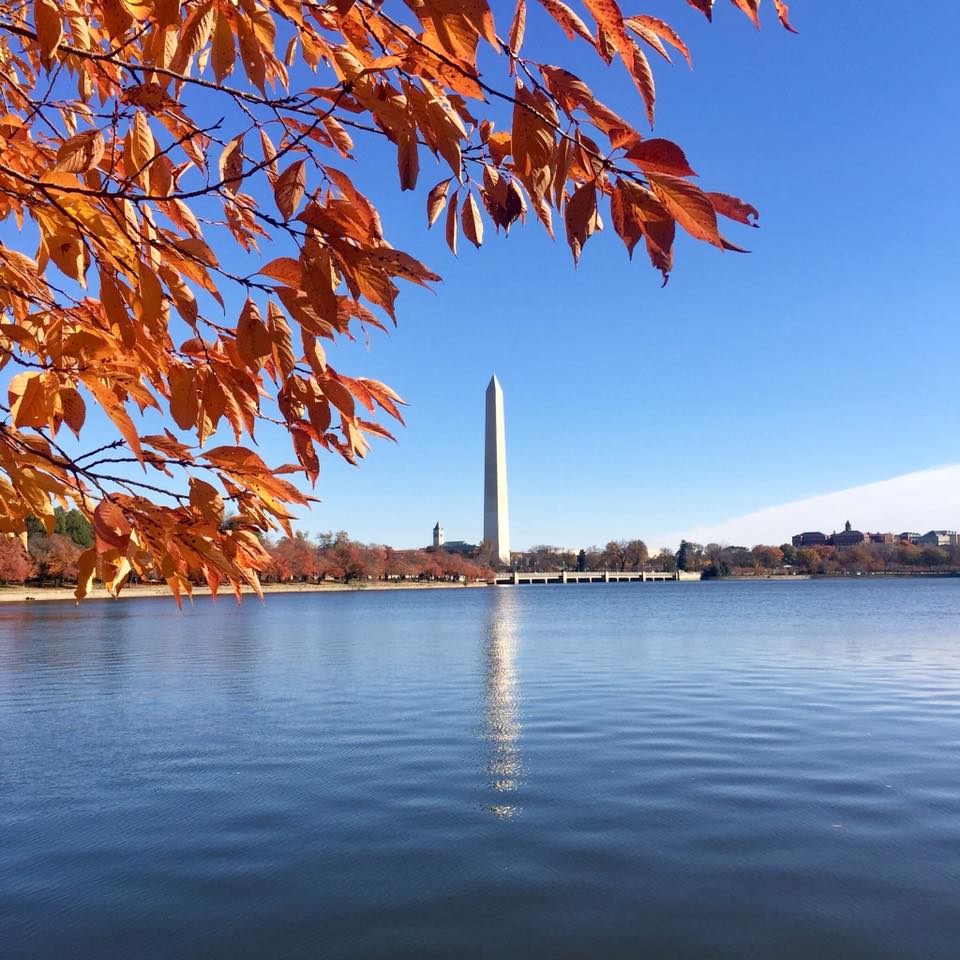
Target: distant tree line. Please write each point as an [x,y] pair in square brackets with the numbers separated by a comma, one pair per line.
[717,560]
[52,558]
[334,556]
[620,555]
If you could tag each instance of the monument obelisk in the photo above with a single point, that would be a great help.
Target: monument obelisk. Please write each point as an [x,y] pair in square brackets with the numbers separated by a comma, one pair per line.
[496,526]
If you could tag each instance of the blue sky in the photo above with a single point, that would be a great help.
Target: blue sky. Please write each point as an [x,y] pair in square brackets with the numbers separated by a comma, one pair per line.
[823,360]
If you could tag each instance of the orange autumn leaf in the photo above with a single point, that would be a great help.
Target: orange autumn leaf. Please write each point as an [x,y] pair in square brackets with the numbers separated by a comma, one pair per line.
[74,409]
[289,188]
[580,217]
[569,21]
[205,501]
[222,53]
[86,568]
[660,156]
[643,79]
[704,6]
[110,527]
[688,205]
[661,29]
[436,201]
[734,208]
[783,12]
[31,398]
[49,26]
[80,152]
[751,8]
[517,27]
[471,222]
[451,225]
[408,161]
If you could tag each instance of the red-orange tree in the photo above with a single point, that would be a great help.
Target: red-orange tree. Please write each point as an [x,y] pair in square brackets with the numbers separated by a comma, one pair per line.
[148,148]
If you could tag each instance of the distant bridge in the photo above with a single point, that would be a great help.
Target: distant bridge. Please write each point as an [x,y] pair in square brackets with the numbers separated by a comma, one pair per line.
[590,576]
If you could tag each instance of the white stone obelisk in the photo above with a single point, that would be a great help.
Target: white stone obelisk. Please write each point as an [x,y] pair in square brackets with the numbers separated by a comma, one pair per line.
[496,526]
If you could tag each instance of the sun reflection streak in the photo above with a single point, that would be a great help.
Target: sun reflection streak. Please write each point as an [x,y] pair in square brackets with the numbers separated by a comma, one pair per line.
[502,706]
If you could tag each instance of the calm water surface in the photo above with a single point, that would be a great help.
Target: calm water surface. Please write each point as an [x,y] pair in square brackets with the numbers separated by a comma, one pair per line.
[633,770]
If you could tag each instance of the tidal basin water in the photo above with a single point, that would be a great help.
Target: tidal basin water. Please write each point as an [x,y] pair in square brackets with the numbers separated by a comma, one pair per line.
[632,770]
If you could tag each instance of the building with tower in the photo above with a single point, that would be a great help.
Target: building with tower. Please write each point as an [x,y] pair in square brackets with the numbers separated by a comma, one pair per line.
[437,536]
[848,537]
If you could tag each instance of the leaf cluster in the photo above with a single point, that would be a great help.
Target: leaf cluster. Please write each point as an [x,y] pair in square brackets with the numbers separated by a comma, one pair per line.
[148,148]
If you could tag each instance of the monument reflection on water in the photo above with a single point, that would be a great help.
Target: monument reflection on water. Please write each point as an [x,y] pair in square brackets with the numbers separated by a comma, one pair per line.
[502,707]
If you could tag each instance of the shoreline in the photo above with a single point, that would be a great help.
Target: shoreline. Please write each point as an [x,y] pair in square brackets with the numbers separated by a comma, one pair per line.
[23,594]
[18,594]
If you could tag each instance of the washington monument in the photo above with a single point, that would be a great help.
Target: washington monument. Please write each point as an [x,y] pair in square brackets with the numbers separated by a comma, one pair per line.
[496,526]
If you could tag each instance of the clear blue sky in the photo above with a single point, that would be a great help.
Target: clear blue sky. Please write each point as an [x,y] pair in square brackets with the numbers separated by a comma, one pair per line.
[824,359]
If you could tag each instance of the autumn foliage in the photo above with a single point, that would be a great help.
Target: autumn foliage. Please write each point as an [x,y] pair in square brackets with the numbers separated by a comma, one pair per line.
[16,565]
[336,557]
[182,231]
